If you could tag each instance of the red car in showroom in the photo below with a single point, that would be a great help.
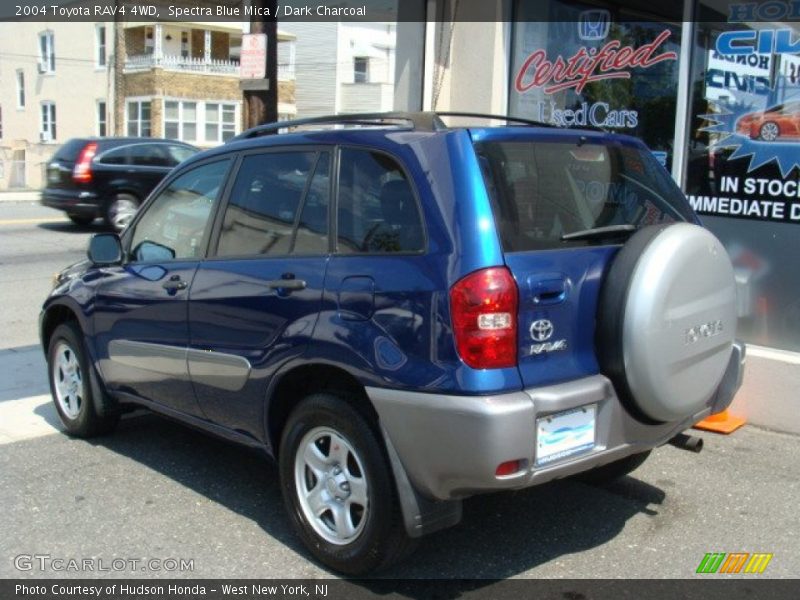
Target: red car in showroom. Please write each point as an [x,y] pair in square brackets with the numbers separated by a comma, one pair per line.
[781,121]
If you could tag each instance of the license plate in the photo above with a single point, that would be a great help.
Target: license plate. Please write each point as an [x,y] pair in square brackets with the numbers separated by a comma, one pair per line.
[565,434]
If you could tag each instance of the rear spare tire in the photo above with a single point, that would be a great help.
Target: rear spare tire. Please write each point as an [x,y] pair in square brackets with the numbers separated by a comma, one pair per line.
[666,321]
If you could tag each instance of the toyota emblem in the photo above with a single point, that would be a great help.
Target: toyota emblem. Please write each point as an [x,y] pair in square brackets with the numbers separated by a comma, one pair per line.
[541,330]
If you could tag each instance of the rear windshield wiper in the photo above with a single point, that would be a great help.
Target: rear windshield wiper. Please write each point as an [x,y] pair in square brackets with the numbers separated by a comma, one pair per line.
[599,232]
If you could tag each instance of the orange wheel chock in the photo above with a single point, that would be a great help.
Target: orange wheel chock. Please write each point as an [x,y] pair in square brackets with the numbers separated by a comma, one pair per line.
[723,422]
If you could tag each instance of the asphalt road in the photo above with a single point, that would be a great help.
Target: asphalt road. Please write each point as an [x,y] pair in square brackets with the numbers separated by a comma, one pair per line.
[157,490]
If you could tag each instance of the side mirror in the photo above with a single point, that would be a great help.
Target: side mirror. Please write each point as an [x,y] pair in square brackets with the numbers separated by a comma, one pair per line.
[105,249]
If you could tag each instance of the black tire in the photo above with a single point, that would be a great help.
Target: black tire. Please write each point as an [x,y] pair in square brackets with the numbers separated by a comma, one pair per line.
[85,421]
[112,213]
[381,539]
[614,470]
[81,220]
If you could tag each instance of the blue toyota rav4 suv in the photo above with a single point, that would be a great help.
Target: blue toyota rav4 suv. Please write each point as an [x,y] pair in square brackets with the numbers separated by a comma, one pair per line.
[404,314]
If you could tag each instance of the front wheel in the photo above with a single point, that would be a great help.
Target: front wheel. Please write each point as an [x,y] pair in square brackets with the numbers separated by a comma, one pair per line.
[120,211]
[338,488]
[71,386]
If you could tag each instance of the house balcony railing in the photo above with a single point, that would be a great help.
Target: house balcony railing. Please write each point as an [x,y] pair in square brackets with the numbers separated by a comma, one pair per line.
[145,62]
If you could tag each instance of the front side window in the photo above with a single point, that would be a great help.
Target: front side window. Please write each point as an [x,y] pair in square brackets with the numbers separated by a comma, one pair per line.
[47,53]
[266,200]
[175,224]
[378,212]
[139,118]
[48,122]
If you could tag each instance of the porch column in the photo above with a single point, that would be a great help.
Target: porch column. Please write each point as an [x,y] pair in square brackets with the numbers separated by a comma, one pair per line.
[158,36]
[207,47]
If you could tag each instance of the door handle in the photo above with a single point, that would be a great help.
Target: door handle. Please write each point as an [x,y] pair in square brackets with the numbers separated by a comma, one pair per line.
[286,284]
[174,284]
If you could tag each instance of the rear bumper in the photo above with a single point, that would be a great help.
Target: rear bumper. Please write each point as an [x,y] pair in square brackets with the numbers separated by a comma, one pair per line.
[451,446]
[74,202]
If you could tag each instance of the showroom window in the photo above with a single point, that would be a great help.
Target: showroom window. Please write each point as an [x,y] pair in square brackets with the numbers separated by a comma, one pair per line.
[743,164]
[139,118]
[629,97]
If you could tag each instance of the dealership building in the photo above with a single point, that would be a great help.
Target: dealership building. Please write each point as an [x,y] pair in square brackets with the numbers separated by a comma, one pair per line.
[711,86]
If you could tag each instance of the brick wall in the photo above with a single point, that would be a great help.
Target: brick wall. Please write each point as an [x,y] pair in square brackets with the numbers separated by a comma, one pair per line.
[158,82]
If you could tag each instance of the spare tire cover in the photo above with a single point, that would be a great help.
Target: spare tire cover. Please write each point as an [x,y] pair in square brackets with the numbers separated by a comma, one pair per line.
[667,321]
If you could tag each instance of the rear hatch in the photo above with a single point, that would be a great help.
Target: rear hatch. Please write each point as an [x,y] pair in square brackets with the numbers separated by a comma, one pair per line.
[564,201]
[60,167]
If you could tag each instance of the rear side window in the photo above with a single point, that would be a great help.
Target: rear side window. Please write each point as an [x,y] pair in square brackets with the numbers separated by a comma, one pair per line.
[146,155]
[543,190]
[377,208]
[266,213]
[118,156]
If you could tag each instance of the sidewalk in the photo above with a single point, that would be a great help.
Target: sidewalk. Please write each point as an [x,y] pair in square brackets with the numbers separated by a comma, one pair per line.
[20,196]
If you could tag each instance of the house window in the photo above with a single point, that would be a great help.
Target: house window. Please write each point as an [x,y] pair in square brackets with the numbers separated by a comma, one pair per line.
[185,44]
[360,69]
[180,120]
[47,53]
[48,124]
[100,39]
[149,44]
[101,118]
[220,122]
[20,88]
[139,118]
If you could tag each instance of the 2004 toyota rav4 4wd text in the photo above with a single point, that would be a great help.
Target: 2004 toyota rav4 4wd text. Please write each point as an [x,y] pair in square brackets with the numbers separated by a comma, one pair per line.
[405,314]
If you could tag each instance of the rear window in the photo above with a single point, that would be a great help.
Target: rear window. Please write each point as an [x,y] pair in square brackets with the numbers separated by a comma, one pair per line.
[70,150]
[541,191]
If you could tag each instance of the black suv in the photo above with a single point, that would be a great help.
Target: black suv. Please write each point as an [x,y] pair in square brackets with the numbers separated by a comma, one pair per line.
[109,177]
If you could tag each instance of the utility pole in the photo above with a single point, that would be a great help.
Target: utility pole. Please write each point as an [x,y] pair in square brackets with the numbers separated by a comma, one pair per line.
[261,105]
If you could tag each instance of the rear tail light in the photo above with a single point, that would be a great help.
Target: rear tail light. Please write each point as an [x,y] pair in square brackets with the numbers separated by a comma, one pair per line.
[82,173]
[484,311]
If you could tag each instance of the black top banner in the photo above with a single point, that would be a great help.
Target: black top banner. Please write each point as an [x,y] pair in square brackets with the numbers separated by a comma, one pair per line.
[305,10]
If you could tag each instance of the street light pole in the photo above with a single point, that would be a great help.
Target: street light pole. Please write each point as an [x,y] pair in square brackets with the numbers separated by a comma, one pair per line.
[261,105]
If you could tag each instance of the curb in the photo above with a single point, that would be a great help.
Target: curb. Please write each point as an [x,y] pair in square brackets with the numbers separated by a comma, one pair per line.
[22,196]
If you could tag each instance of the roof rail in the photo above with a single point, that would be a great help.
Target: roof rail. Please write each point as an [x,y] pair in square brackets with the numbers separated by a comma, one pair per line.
[506,118]
[420,121]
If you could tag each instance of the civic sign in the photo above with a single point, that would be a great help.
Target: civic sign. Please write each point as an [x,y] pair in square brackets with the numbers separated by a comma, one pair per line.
[253,60]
